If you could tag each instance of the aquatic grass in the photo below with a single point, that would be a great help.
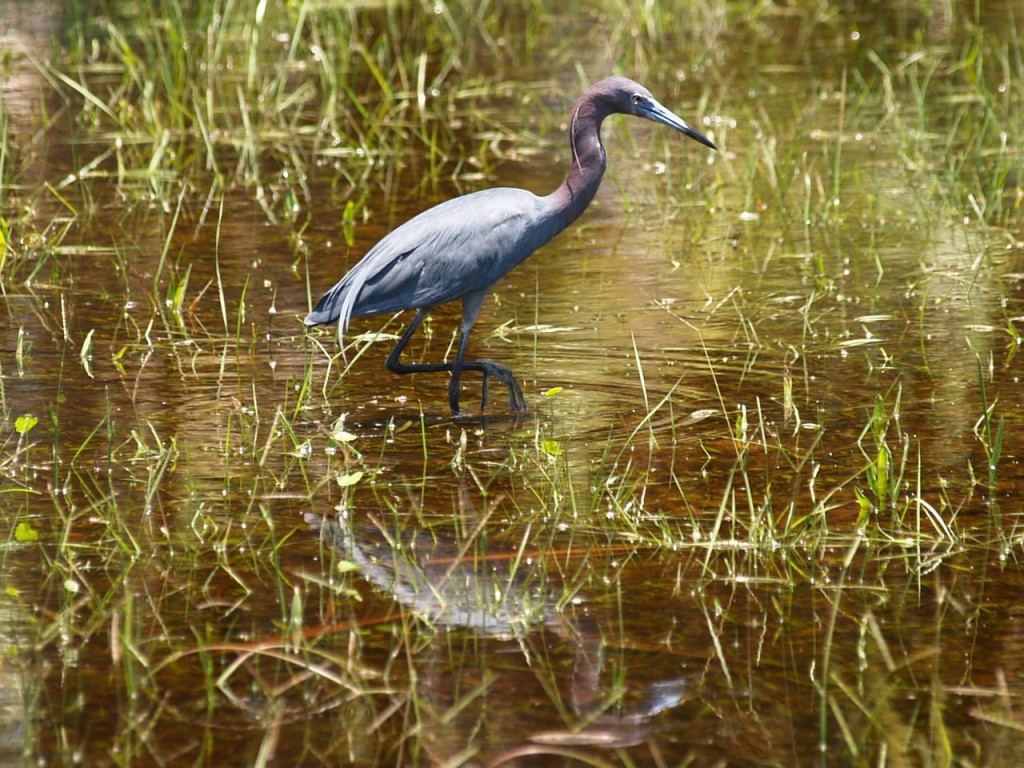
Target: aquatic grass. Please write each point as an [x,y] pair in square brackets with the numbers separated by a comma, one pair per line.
[977,155]
[772,524]
[6,183]
[990,434]
[163,78]
[35,252]
[883,477]
[243,662]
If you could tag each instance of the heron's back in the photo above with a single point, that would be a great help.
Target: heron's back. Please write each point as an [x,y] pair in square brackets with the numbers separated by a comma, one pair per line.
[455,248]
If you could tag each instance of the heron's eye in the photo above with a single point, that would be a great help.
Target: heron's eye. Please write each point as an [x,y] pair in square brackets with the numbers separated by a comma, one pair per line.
[638,99]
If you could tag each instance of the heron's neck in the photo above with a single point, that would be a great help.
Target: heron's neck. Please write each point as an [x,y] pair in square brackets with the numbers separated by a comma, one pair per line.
[588,164]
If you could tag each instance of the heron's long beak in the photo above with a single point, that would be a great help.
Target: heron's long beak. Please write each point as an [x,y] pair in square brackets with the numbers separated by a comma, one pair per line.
[659,114]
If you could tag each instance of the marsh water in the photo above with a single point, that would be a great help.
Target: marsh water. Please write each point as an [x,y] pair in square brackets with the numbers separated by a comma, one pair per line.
[764,507]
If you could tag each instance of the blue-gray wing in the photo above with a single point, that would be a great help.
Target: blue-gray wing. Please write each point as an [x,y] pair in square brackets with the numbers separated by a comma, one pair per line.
[462,245]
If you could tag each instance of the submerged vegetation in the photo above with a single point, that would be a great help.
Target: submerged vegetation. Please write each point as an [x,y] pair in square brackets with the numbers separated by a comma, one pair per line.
[764,508]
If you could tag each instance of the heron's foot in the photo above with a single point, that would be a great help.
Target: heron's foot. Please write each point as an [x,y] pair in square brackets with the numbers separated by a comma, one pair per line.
[516,399]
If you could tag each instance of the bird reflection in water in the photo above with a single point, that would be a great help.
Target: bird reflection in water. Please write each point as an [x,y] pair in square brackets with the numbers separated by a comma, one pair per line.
[491,593]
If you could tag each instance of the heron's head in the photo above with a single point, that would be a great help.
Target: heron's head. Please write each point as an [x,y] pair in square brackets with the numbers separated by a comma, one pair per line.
[632,98]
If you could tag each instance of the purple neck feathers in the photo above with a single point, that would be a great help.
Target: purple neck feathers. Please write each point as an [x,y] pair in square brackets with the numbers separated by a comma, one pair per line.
[588,160]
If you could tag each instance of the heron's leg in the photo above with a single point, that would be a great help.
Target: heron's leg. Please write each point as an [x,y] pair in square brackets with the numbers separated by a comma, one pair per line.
[393,363]
[470,310]
[516,401]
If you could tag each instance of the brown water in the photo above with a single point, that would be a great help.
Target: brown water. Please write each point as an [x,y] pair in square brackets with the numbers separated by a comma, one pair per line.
[668,562]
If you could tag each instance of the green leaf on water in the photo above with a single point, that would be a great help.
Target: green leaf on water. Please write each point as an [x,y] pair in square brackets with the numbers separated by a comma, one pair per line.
[551,448]
[350,479]
[118,357]
[25,532]
[338,432]
[553,391]
[23,424]
[864,504]
[346,566]
[20,351]
[342,436]
[348,222]
[85,354]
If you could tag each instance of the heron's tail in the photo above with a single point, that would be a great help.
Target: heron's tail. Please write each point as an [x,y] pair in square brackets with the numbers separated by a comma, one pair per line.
[336,304]
[328,309]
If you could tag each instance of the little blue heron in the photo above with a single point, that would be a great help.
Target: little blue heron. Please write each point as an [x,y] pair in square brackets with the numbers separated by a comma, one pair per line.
[460,248]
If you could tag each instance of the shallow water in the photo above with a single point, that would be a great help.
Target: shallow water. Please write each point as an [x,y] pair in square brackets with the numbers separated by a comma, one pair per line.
[756,513]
